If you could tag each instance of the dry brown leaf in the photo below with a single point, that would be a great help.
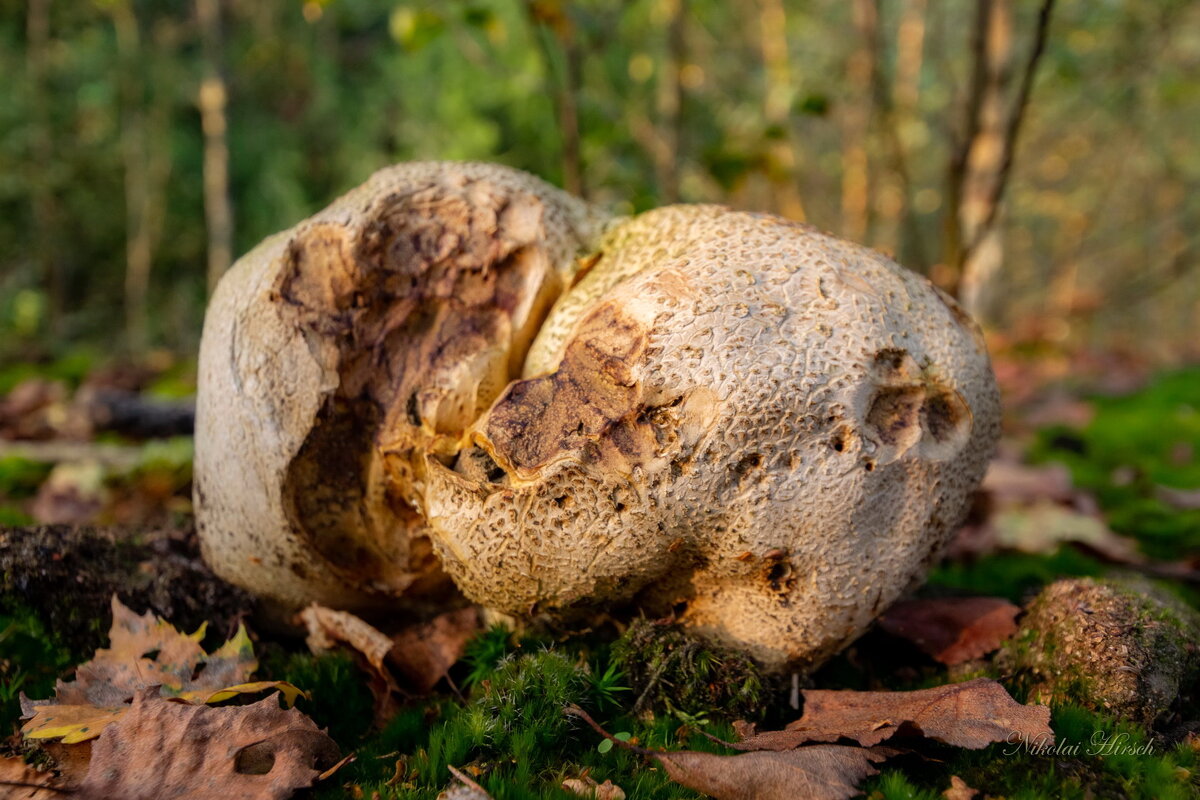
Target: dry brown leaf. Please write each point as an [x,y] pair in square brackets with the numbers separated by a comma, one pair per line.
[19,781]
[587,787]
[424,653]
[820,772]
[144,651]
[162,748]
[953,630]
[973,715]
[328,627]
[959,790]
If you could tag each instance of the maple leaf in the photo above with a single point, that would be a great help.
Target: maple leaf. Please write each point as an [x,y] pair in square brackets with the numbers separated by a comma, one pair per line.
[144,651]
[167,748]
[953,630]
[972,714]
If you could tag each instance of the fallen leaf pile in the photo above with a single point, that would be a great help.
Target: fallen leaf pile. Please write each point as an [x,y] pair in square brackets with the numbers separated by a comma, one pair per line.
[136,723]
[1035,509]
[953,630]
[145,652]
[809,759]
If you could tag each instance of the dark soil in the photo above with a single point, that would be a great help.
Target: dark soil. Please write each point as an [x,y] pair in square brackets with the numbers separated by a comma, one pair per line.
[67,576]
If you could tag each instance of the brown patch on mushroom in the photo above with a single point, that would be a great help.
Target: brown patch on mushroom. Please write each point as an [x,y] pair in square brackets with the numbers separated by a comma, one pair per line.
[432,308]
[593,392]
[911,408]
[337,354]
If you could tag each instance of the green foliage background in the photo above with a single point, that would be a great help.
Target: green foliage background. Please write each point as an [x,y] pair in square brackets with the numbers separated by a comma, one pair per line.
[1099,231]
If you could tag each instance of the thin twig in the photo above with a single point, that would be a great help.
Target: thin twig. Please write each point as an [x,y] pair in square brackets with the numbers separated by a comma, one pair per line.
[466,779]
[572,710]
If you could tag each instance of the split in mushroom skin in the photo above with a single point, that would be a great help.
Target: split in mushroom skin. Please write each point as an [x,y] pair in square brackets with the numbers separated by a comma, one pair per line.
[399,312]
[730,415]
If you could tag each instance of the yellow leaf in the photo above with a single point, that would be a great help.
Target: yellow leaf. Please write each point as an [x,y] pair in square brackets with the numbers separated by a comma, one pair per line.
[289,692]
[72,723]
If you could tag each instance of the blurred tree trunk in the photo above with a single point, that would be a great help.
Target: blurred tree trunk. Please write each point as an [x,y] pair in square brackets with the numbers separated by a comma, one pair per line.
[39,176]
[952,237]
[211,101]
[982,162]
[782,163]
[550,16]
[856,122]
[669,103]
[910,49]
[984,250]
[145,141]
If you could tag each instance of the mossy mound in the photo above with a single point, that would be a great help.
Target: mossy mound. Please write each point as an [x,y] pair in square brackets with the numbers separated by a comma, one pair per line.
[673,671]
[1121,646]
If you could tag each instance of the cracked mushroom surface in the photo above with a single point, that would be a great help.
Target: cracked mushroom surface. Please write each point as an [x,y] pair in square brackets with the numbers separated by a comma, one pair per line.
[398,313]
[763,429]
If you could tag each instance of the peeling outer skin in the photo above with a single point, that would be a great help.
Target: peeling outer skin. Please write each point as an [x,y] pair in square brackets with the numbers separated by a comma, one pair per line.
[395,316]
[765,429]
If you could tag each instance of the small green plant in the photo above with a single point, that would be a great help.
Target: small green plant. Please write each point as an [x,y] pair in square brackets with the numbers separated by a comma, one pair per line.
[607,686]
[485,651]
[606,744]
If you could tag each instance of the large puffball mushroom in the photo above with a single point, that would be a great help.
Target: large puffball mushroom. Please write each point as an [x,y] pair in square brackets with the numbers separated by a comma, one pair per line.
[766,429]
[397,314]
[760,428]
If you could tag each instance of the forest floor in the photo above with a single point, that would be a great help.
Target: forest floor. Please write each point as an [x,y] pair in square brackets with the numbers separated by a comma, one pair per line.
[1093,480]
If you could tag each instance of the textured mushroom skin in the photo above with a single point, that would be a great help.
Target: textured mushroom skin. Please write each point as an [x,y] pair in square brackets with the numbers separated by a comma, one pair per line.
[767,429]
[398,313]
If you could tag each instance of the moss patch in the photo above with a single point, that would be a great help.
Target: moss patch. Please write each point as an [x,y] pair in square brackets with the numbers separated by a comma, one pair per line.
[670,670]
[1134,447]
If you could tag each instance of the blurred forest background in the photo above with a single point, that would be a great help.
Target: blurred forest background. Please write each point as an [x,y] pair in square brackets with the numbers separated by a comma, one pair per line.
[1037,158]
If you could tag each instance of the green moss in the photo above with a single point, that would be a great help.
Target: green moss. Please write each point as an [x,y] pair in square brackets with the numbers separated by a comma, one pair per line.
[892,784]
[513,732]
[1013,575]
[339,699]
[1134,445]
[21,477]
[674,671]
[70,368]
[31,658]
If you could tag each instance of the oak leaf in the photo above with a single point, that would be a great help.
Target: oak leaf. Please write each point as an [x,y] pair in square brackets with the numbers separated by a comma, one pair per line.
[425,652]
[167,748]
[144,651]
[953,630]
[972,714]
[819,772]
